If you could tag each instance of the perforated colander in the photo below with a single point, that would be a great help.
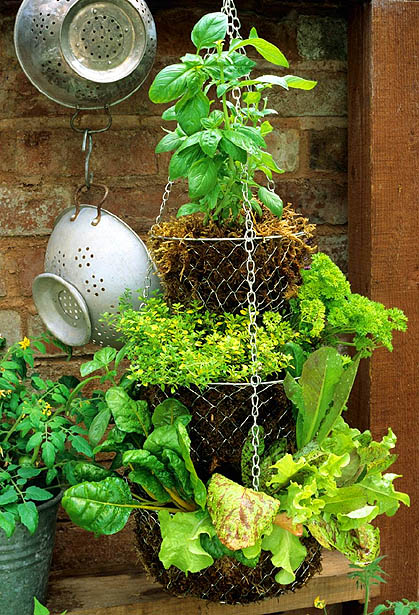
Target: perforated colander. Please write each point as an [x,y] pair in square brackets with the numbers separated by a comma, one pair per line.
[85,53]
[88,267]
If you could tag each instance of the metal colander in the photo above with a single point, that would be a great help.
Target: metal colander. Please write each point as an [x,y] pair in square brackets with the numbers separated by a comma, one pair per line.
[88,267]
[85,54]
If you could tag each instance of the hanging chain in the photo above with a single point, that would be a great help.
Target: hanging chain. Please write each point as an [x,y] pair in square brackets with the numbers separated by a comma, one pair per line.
[147,280]
[249,245]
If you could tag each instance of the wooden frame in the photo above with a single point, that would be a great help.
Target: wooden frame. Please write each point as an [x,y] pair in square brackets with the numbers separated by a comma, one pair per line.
[383,187]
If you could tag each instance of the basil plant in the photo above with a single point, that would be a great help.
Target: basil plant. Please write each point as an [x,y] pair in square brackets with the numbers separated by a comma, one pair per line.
[218,146]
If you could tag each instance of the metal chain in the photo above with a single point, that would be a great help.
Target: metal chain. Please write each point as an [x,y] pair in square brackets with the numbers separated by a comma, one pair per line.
[147,280]
[249,245]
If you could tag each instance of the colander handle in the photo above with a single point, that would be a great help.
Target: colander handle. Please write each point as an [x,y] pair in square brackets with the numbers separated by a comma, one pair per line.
[82,190]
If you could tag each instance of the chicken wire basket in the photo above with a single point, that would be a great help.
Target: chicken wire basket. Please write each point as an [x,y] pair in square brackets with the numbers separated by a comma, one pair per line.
[85,54]
[213,270]
[221,420]
[218,429]
[226,581]
[91,261]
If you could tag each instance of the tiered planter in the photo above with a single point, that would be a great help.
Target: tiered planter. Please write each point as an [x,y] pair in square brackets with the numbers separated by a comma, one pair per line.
[213,271]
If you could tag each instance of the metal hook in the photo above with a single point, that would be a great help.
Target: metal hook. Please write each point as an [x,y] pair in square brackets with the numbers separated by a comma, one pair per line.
[87,146]
[98,130]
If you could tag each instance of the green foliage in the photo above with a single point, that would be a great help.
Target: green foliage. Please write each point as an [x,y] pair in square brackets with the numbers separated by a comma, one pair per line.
[43,429]
[39,609]
[327,312]
[211,146]
[321,393]
[287,553]
[182,346]
[159,465]
[401,607]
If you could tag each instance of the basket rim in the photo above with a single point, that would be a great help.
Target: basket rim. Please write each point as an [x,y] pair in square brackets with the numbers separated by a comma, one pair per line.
[231,239]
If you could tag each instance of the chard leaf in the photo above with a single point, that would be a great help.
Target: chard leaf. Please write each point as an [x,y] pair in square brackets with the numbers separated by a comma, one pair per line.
[129,415]
[168,411]
[181,545]
[209,29]
[100,507]
[176,466]
[199,490]
[84,471]
[240,515]
[161,438]
[142,459]
[150,484]
[99,426]
[287,553]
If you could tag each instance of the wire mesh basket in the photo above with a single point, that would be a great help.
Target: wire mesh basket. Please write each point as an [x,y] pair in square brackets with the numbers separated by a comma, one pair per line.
[213,270]
[227,580]
[221,421]
[220,424]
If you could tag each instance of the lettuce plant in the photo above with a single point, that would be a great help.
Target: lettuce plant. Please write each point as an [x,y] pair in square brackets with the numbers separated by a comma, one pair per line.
[214,138]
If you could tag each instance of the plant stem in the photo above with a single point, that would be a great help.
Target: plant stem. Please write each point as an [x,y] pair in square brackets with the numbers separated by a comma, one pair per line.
[78,388]
[367,599]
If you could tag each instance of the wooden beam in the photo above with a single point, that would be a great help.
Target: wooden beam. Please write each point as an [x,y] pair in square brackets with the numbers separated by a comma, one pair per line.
[134,594]
[383,231]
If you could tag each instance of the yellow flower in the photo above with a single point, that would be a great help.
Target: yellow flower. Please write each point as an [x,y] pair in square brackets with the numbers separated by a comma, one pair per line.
[25,343]
[2,393]
[319,604]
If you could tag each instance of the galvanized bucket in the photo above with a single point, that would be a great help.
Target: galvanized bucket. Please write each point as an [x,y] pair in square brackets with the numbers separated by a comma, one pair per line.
[25,562]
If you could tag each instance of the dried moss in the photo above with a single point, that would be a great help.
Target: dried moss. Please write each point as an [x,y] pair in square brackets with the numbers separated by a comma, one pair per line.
[215,272]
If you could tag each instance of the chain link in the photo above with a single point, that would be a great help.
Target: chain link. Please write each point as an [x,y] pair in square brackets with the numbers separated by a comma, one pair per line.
[147,280]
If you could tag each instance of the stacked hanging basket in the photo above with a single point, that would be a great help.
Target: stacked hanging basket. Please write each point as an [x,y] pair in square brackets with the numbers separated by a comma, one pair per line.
[249,261]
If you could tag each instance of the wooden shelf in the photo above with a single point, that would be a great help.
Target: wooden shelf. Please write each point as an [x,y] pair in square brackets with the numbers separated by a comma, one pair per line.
[134,594]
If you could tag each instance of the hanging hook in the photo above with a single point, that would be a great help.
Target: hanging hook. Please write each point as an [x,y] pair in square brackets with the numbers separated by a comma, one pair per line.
[87,147]
[104,129]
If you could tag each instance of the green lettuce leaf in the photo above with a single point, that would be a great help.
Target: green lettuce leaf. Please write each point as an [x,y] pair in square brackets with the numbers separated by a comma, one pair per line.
[199,490]
[287,553]
[181,545]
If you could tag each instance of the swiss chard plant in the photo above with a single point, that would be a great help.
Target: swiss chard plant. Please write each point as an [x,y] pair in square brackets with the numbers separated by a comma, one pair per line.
[214,139]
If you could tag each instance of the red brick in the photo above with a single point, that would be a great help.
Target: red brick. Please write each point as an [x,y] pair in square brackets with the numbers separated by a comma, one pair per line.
[284,145]
[50,153]
[329,149]
[31,210]
[125,153]
[10,326]
[31,265]
[322,200]
[336,246]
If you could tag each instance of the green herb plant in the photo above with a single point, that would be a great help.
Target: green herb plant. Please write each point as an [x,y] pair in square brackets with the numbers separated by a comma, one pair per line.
[214,138]
[178,346]
[326,312]
[43,429]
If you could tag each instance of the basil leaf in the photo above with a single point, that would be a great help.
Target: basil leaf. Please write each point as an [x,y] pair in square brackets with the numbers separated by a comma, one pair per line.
[181,161]
[169,114]
[202,177]
[272,201]
[209,29]
[267,50]
[298,82]
[209,141]
[189,113]
[189,208]
[168,143]
[170,83]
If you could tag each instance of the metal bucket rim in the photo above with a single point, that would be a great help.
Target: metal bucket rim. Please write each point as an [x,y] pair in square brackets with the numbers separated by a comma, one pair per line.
[51,502]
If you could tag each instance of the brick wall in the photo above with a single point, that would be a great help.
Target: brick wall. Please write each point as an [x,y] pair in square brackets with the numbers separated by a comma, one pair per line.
[41,164]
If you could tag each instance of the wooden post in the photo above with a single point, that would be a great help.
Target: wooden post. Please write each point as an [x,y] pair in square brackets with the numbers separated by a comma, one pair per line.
[383,245]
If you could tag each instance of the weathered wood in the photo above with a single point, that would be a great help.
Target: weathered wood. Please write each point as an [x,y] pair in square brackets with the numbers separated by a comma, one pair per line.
[135,594]
[383,232]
